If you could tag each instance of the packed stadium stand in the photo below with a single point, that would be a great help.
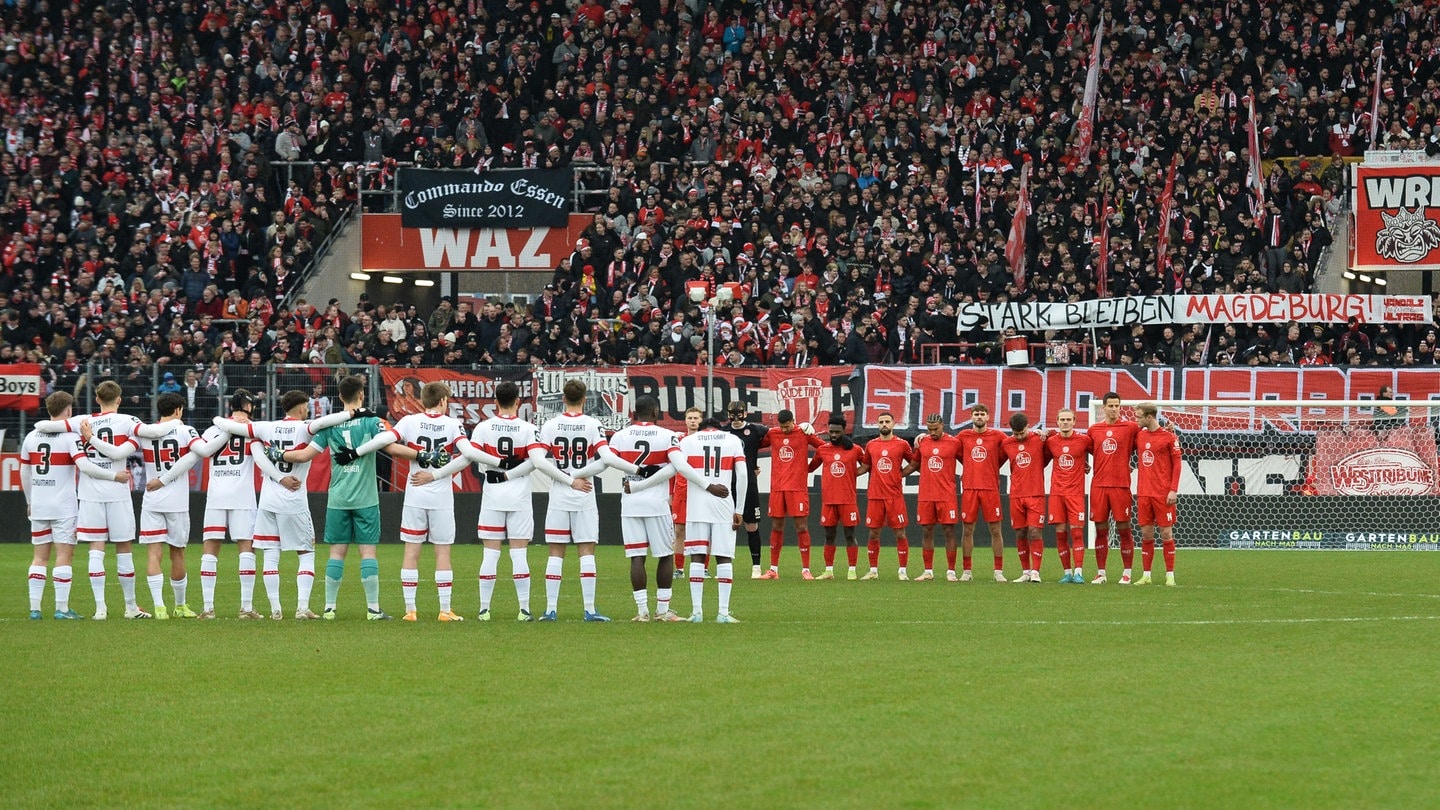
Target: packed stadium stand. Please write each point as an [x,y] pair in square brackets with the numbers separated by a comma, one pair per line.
[852,168]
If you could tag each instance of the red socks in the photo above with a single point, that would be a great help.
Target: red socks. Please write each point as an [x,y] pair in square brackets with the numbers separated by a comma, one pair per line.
[1102,548]
[1022,547]
[777,539]
[803,537]
[852,553]
[829,555]
[950,560]
[902,551]
[1169,550]
[1037,553]
[1077,547]
[1062,547]
[1147,554]
[1127,547]
[873,551]
[928,555]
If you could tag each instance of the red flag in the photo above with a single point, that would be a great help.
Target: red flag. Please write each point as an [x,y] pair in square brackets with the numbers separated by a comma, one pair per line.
[1015,245]
[1256,178]
[1102,260]
[1085,127]
[977,192]
[1167,207]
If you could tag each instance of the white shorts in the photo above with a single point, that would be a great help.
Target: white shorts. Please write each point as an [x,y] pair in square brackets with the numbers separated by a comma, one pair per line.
[417,525]
[655,535]
[60,530]
[514,525]
[563,526]
[715,539]
[291,531]
[172,528]
[240,523]
[108,521]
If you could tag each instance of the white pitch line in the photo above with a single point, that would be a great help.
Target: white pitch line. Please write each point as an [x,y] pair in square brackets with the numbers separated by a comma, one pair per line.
[1118,623]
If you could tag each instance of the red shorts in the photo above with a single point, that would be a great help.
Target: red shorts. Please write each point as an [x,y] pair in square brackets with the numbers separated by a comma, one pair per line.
[789,504]
[1027,512]
[677,505]
[839,514]
[886,512]
[1068,510]
[933,512]
[1156,512]
[1110,501]
[980,504]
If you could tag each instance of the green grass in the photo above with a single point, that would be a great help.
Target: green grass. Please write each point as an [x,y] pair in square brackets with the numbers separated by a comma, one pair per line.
[1267,680]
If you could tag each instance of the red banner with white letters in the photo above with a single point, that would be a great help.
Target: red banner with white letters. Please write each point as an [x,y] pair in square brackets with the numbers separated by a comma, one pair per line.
[20,387]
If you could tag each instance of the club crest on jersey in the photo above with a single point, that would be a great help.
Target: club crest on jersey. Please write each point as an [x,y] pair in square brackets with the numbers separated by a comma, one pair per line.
[885,465]
[1022,459]
[787,453]
[1109,447]
[837,469]
[1067,462]
[979,453]
[1147,458]
[935,464]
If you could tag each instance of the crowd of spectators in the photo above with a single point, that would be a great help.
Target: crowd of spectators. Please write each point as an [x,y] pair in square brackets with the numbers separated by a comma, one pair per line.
[848,171]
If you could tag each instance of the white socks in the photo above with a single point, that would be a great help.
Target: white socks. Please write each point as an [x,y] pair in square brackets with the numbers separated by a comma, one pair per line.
[443,581]
[520,564]
[209,565]
[587,582]
[37,585]
[125,570]
[305,581]
[247,581]
[642,602]
[61,577]
[179,588]
[553,568]
[97,578]
[157,589]
[724,577]
[697,588]
[489,564]
[270,577]
[409,583]
[662,601]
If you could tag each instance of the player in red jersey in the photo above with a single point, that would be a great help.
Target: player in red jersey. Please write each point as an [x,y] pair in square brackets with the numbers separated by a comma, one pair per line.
[1026,453]
[1068,450]
[678,491]
[884,500]
[789,488]
[935,458]
[1112,443]
[1158,485]
[981,457]
[843,462]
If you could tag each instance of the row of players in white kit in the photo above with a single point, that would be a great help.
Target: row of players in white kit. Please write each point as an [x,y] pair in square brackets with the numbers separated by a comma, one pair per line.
[570,448]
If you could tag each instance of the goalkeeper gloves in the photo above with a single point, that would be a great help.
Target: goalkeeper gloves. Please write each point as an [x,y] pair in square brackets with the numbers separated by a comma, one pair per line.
[495,477]
[510,462]
[275,453]
[345,455]
[361,413]
[433,459]
[648,470]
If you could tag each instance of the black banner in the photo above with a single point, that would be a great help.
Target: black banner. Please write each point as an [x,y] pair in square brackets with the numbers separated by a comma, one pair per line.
[433,198]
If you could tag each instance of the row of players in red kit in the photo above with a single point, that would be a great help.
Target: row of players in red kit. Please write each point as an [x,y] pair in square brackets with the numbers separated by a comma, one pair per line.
[979,452]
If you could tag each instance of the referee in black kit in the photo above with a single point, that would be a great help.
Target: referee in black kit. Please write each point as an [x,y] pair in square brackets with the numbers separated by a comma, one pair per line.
[751,434]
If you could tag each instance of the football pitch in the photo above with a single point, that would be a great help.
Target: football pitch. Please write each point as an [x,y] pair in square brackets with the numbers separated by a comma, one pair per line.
[1267,679]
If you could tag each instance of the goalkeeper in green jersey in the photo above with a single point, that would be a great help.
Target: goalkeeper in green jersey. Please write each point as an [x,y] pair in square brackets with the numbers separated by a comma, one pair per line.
[352,514]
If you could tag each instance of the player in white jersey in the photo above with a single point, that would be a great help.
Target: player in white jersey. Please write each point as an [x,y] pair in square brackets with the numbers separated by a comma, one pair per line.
[165,508]
[48,477]
[283,521]
[646,524]
[708,460]
[428,511]
[229,505]
[577,444]
[506,509]
[107,512]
